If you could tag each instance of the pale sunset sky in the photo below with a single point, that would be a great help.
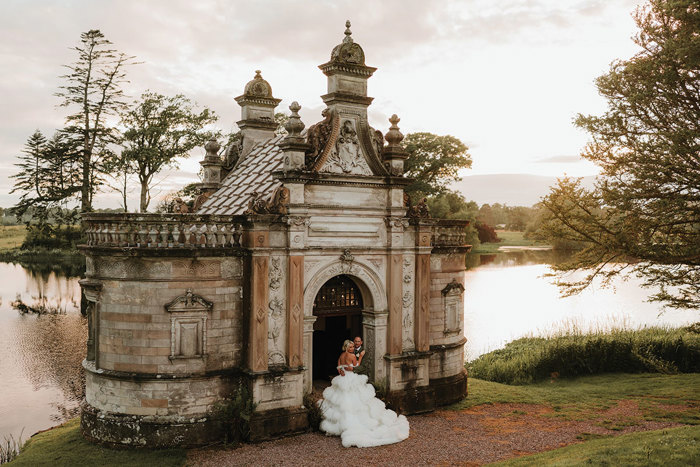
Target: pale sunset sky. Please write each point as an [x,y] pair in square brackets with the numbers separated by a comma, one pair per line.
[505,76]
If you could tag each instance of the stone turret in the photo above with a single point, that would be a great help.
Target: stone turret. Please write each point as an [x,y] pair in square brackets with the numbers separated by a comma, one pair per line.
[347,76]
[257,122]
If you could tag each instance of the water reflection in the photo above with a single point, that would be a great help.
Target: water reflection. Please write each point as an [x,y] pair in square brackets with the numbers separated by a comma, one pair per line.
[508,296]
[40,355]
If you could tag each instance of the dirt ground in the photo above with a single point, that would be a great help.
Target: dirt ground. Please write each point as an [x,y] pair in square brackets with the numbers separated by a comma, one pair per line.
[475,436]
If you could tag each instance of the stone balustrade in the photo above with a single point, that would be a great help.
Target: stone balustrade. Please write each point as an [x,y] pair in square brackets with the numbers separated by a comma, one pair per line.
[450,233]
[162,230]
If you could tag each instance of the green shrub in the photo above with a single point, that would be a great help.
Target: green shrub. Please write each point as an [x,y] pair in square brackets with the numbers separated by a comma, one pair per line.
[531,359]
[235,413]
[314,411]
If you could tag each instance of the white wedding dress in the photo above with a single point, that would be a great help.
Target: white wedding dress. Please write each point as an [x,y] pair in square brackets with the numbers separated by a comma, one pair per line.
[350,410]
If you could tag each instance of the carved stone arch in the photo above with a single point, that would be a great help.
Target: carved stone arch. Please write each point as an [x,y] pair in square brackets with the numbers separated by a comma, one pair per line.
[369,282]
[374,314]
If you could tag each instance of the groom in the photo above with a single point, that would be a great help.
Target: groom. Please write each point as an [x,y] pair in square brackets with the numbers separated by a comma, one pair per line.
[360,353]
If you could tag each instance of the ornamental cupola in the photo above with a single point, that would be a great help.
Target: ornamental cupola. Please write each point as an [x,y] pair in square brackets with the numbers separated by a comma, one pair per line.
[347,75]
[257,122]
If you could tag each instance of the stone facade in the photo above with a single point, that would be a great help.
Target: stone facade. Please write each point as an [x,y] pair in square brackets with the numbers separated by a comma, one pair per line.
[298,242]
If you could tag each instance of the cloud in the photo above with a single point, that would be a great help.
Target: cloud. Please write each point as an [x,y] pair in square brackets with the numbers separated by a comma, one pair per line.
[559,160]
[208,50]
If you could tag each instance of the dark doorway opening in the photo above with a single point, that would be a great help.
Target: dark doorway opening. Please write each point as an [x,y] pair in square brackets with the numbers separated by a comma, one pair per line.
[338,310]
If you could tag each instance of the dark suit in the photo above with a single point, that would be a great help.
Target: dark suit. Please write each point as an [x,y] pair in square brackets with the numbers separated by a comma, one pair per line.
[362,369]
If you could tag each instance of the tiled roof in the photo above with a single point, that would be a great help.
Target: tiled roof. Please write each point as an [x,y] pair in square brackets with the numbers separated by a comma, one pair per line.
[253,175]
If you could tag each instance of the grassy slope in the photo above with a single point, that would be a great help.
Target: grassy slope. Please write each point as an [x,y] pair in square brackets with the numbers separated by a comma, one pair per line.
[64,446]
[670,447]
[577,398]
[11,236]
[507,239]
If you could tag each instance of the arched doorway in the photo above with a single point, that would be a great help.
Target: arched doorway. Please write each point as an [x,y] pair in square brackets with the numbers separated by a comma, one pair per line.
[338,310]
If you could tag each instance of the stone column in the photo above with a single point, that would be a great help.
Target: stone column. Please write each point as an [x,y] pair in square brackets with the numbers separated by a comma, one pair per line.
[422,295]
[258,241]
[295,311]
[91,289]
[374,325]
[395,303]
[308,352]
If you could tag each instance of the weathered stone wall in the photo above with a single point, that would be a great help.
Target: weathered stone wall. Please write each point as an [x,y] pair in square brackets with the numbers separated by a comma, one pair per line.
[136,332]
[446,314]
[179,397]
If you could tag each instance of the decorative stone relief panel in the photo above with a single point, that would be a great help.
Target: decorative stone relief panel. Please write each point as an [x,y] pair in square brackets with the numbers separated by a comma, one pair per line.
[188,325]
[407,331]
[276,314]
[346,156]
[452,305]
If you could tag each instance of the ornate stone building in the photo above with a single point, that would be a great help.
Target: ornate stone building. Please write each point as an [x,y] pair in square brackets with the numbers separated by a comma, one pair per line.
[298,242]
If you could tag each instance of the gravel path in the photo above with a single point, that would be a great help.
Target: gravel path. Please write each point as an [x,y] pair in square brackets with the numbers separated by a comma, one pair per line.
[470,437]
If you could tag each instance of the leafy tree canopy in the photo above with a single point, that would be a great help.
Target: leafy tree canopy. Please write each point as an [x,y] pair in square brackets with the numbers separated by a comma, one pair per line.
[643,216]
[433,162]
[160,129]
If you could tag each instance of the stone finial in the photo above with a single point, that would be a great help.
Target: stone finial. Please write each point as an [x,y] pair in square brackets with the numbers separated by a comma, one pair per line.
[393,154]
[212,147]
[394,136]
[293,145]
[348,33]
[258,87]
[294,125]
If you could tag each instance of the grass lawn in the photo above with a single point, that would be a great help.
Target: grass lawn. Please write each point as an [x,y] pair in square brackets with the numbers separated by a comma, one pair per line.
[669,447]
[64,446]
[508,238]
[580,398]
[11,236]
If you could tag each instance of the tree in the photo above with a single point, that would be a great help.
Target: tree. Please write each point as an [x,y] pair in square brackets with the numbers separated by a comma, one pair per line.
[452,205]
[93,92]
[47,174]
[433,162]
[119,172]
[643,215]
[158,130]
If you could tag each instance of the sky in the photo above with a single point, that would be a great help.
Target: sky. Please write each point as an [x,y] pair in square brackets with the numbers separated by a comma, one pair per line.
[507,77]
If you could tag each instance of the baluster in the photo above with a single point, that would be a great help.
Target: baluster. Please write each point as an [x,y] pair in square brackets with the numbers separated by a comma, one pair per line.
[237,235]
[212,236]
[111,233]
[192,235]
[176,235]
[227,230]
[163,236]
[221,237]
[202,239]
[123,234]
[103,233]
[142,235]
[88,232]
[152,235]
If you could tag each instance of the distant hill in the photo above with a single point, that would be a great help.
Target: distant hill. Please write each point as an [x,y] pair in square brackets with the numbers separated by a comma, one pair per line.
[510,189]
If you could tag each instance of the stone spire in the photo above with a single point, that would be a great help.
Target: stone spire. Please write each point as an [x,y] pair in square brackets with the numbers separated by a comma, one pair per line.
[257,122]
[393,154]
[347,74]
[293,145]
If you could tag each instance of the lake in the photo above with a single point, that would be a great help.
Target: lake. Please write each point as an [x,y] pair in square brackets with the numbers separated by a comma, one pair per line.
[508,297]
[41,380]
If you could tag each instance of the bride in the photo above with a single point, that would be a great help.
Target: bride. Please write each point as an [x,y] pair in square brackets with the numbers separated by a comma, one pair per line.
[350,409]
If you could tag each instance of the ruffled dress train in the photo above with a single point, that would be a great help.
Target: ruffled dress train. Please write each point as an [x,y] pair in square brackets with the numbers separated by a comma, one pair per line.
[351,411]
